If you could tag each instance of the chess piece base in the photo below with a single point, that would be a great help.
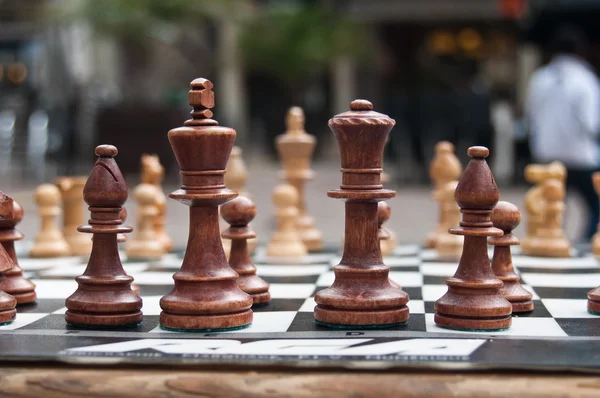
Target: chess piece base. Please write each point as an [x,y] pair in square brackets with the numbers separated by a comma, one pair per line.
[50,250]
[256,287]
[81,319]
[343,319]
[593,305]
[558,247]
[473,308]
[79,244]
[205,323]
[286,250]
[309,234]
[165,241]
[16,285]
[7,308]
[517,295]
[141,250]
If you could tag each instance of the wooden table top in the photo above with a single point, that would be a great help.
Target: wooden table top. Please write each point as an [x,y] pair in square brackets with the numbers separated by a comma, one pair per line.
[67,381]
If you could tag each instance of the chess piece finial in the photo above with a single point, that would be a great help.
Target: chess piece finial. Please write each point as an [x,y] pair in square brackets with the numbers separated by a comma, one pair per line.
[506,216]
[205,295]
[153,173]
[473,300]
[361,295]
[14,283]
[285,242]
[71,189]
[104,297]
[145,243]
[50,241]
[449,246]
[295,148]
[238,214]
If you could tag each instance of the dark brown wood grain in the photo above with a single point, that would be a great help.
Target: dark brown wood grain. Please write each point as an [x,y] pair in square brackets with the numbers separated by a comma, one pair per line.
[361,295]
[7,302]
[473,300]
[14,283]
[104,297]
[238,213]
[506,216]
[206,295]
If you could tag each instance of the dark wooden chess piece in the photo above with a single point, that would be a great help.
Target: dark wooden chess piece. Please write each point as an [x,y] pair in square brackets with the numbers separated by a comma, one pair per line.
[14,283]
[474,301]
[104,297]
[7,302]
[361,295]
[238,214]
[506,216]
[205,296]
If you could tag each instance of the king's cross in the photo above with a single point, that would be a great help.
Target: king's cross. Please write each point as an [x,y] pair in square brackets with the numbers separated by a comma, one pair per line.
[201,98]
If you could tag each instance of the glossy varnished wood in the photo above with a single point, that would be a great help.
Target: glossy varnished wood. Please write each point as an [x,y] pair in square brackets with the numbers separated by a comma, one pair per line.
[361,294]
[474,300]
[104,297]
[506,216]
[238,213]
[205,295]
[7,302]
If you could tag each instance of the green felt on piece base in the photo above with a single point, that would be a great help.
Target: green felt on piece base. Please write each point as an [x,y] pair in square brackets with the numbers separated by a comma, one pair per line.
[594,312]
[6,323]
[204,330]
[385,326]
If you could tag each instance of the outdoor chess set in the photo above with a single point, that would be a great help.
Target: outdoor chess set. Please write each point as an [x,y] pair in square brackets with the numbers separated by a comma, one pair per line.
[469,298]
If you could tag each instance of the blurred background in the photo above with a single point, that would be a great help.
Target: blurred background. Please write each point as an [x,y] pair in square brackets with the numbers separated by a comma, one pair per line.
[77,73]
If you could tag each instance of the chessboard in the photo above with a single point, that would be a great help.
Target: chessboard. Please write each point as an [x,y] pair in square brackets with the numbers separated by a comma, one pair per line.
[559,334]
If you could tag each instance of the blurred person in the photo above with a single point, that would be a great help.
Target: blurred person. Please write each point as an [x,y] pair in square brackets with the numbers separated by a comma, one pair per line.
[563,115]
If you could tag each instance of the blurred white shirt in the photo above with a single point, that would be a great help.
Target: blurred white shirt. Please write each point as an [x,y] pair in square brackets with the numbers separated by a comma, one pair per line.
[563,111]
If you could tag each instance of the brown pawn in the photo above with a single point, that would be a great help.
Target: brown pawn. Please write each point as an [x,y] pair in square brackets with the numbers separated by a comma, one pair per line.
[206,295]
[7,302]
[104,297]
[14,283]
[238,214]
[506,216]
[384,212]
[122,238]
[361,295]
[474,301]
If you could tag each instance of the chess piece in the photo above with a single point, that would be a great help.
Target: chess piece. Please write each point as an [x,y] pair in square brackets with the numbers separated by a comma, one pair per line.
[104,297]
[145,243]
[153,173]
[14,283]
[8,303]
[445,167]
[286,242]
[361,295]
[236,177]
[448,246]
[596,237]
[122,238]
[295,148]
[238,213]
[473,300]
[50,241]
[535,203]
[71,189]
[551,240]
[206,295]
[384,212]
[507,217]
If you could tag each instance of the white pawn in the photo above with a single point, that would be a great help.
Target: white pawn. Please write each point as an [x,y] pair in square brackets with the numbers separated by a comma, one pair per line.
[145,243]
[286,242]
[50,242]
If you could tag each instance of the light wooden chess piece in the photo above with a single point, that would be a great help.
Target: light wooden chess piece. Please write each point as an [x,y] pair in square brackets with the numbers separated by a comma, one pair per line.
[71,189]
[384,212]
[596,237]
[145,243]
[286,242]
[295,148]
[236,178]
[444,168]
[536,203]
[50,241]
[153,173]
[551,240]
[449,246]
[122,238]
